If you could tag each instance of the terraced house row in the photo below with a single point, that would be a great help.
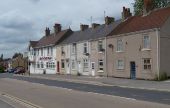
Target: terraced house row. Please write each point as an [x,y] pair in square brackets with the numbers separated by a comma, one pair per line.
[132,47]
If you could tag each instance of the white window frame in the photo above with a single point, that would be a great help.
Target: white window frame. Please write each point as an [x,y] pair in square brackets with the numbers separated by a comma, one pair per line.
[85,48]
[147,64]
[146,42]
[42,51]
[85,65]
[120,64]
[100,45]
[101,67]
[119,45]
[73,48]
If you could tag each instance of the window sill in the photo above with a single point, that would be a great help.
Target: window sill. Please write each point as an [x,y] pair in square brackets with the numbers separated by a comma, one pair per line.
[100,52]
[119,51]
[146,49]
[120,69]
[100,71]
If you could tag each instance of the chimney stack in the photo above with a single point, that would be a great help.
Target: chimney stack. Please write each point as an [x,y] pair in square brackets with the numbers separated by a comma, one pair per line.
[109,20]
[84,27]
[47,31]
[57,28]
[148,6]
[126,13]
[94,25]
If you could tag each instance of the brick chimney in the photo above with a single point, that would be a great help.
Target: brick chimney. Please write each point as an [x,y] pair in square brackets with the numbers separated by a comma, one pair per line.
[84,27]
[94,25]
[47,31]
[57,28]
[126,13]
[109,20]
[148,6]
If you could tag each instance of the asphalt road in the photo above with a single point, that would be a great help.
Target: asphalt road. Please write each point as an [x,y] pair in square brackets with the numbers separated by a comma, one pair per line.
[4,105]
[138,94]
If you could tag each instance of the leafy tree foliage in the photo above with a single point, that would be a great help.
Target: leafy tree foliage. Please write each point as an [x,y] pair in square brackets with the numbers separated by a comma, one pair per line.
[17,55]
[139,4]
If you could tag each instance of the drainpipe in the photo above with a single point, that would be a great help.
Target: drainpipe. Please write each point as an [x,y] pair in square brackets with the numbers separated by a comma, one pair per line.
[158,53]
[106,57]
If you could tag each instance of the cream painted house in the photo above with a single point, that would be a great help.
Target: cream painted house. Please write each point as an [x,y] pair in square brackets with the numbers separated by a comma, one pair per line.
[139,46]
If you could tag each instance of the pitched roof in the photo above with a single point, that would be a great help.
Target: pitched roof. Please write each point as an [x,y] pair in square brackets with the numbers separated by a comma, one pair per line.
[33,43]
[91,33]
[53,39]
[137,23]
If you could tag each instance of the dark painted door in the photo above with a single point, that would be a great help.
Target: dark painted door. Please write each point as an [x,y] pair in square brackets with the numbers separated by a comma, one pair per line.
[58,67]
[133,70]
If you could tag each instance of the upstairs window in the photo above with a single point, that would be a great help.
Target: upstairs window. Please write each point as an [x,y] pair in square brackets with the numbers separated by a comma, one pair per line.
[48,51]
[51,51]
[119,45]
[85,48]
[100,46]
[73,48]
[41,51]
[146,42]
[62,64]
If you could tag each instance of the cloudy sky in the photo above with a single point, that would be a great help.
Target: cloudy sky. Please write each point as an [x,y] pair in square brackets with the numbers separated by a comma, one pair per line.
[24,20]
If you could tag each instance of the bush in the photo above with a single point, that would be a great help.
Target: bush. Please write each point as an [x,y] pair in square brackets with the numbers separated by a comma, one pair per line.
[1,69]
[162,77]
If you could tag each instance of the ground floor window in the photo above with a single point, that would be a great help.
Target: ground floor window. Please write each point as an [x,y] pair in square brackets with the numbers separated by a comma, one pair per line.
[120,64]
[147,64]
[50,65]
[62,64]
[42,65]
[101,65]
[85,65]
[38,65]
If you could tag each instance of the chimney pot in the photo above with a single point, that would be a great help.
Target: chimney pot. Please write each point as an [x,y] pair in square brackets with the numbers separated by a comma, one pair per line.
[94,25]
[126,13]
[57,28]
[148,6]
[47,31]
[109,20]
[84,27]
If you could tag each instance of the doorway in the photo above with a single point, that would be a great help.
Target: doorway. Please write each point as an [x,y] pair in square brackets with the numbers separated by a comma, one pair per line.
[93,68]
[133,70]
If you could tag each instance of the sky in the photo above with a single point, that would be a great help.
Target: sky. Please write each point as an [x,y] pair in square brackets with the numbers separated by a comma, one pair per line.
[25,20]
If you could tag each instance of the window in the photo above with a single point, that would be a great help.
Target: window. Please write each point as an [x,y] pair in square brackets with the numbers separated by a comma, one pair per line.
[146,42]
[119,45]
[37,52]
[41,51]
[50,65]
[48,51]
[62,50]
[85,65]
[38,65]
[100,46]
[51,51]
[147,64]
[73,48]
[85,48]
[73,64]
[42,65]
[101,64]
[62,64]
[120,64]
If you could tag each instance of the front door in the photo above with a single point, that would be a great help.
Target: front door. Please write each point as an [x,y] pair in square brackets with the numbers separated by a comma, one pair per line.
[68,68]
[93,68]
[132,70]
[58,67]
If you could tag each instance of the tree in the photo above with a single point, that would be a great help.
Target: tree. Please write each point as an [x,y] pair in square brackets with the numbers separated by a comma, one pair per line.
[17,55]
[139,5]
[1,58]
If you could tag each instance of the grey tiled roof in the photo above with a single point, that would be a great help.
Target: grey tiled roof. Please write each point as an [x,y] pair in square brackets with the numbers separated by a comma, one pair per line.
[90,33]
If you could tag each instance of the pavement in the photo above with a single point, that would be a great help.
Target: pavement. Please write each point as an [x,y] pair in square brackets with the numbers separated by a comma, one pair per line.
[44,95]
[108,81]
